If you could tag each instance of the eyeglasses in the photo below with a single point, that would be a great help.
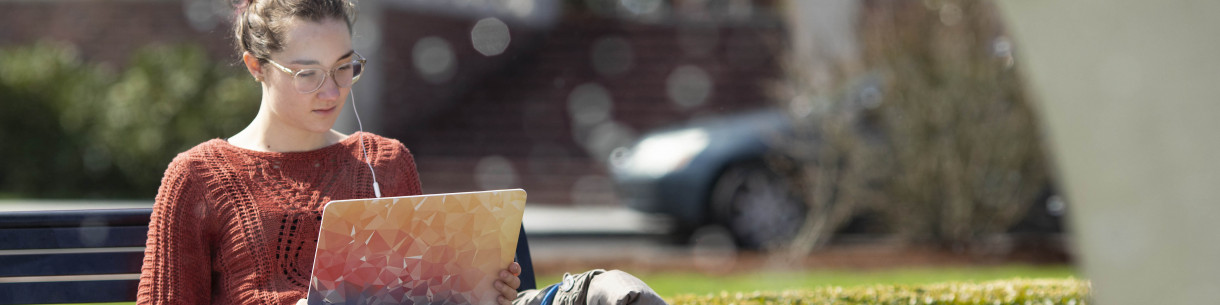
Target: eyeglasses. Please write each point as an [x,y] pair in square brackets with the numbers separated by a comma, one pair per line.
[311,79]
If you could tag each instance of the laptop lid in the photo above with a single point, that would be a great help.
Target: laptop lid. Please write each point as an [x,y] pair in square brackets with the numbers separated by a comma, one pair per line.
[427,249]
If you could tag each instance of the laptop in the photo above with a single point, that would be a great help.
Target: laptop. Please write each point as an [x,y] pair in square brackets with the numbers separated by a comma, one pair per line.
[427,249]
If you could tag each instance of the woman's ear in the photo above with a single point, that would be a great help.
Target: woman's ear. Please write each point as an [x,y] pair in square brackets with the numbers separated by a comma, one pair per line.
[253,65]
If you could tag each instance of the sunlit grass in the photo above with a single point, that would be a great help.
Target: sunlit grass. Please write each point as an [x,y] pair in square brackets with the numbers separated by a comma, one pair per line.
[1000,292]
[677,283]
[672,284]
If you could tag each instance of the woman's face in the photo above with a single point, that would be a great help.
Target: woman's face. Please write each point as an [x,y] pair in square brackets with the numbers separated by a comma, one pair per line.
[307,44]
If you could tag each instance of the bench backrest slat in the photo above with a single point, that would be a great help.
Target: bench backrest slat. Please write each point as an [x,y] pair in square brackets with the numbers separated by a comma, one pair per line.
[72,264]
[86,256]
[68,292]
[73,237]
[75,218]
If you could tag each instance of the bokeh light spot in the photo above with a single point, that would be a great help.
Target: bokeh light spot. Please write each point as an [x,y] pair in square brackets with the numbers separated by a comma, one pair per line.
[434,59]
[522,7]
[641,7]
[490,36]
[589,104]
[612,56]
[495,172]
[688,86]
[606,137]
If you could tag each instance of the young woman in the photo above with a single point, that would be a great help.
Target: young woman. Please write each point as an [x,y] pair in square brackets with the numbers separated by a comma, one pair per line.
[236,220]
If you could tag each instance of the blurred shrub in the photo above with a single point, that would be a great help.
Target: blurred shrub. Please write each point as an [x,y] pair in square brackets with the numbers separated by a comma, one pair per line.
[41,150]
[966,151]
[76,129]
[945,149]
[1009,292]
[965,145]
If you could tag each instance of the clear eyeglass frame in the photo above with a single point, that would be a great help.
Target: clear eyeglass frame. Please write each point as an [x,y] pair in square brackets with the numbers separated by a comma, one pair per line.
[303,79]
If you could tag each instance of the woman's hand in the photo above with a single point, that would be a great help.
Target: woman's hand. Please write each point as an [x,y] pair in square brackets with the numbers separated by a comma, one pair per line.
[508,283]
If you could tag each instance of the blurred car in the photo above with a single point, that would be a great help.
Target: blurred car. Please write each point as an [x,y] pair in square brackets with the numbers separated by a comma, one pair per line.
[713,171]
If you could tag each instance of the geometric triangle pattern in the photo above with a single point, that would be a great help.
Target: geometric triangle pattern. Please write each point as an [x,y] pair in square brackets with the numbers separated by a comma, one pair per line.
[430,249]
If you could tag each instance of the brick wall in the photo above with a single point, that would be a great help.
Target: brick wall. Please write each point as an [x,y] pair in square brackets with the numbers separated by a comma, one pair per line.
[109,31]
[505,116]
[519,112]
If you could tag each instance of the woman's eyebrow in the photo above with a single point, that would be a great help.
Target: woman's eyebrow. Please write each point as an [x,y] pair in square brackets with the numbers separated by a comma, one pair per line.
[346,55]
[315,62]
[304,62]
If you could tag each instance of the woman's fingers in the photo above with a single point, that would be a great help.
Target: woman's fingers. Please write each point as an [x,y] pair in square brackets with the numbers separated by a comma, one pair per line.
[506,293]
[511,279]
[514,268]
[508,283]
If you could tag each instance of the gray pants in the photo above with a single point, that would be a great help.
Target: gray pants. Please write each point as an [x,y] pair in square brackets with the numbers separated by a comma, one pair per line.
[595,287]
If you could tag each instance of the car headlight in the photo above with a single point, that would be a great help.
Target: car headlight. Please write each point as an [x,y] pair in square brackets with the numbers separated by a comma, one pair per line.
[663,153]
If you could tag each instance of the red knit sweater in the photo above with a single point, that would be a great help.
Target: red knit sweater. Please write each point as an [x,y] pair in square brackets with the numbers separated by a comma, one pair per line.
[237,226]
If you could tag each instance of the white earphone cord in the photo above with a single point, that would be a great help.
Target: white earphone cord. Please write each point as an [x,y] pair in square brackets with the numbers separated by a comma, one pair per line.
[376,188]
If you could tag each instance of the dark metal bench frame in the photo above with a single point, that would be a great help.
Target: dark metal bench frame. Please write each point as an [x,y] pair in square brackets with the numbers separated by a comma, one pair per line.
[87,256]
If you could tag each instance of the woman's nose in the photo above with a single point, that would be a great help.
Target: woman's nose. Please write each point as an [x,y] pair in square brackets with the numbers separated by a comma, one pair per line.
[329,90]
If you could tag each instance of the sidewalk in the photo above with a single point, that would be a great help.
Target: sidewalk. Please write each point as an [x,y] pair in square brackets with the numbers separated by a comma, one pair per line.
[567,221]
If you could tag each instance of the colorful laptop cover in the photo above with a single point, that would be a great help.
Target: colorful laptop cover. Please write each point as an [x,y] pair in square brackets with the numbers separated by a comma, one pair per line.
[428,249]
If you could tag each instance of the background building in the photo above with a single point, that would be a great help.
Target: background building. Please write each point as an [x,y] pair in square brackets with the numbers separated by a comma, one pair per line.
[488,94]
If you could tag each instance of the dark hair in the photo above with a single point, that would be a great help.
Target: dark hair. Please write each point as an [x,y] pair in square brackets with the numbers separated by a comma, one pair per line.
[261,24]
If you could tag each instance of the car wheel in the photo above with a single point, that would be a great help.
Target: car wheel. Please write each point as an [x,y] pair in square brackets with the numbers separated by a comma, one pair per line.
[758,206]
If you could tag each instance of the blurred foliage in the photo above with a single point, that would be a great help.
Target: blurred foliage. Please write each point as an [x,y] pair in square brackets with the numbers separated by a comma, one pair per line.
[1008,292]
[75,129]
[945,150]
[965,147]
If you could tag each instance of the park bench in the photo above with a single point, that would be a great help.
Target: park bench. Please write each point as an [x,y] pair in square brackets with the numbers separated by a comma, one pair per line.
[88,256]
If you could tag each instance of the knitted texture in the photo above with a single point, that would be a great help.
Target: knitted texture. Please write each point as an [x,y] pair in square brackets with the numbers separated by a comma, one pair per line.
[237,226]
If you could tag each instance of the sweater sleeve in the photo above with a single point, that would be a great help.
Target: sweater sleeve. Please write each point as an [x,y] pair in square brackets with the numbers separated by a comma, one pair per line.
[177,256]
[401,165]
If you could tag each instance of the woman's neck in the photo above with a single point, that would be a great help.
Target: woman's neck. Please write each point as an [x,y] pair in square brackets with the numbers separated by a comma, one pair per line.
[264,134]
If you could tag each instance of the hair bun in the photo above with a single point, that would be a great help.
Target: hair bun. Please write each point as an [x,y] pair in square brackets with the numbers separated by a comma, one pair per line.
[241,5]
[256,30]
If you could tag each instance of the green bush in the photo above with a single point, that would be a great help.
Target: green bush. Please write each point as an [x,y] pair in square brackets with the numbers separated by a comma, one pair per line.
[1009,292]
[76,129]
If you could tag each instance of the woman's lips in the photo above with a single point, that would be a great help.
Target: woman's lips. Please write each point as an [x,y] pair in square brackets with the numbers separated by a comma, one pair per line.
[326,111]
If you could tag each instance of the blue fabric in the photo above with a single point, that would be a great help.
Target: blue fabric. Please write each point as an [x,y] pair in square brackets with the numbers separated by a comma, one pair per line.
[549,297]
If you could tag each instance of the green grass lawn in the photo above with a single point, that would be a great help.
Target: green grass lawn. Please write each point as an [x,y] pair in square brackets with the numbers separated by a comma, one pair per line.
[673,284]
[679,283]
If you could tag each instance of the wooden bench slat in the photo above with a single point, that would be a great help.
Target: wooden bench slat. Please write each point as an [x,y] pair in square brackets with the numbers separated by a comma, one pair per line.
[71,264]
[68,292]
[73,237]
